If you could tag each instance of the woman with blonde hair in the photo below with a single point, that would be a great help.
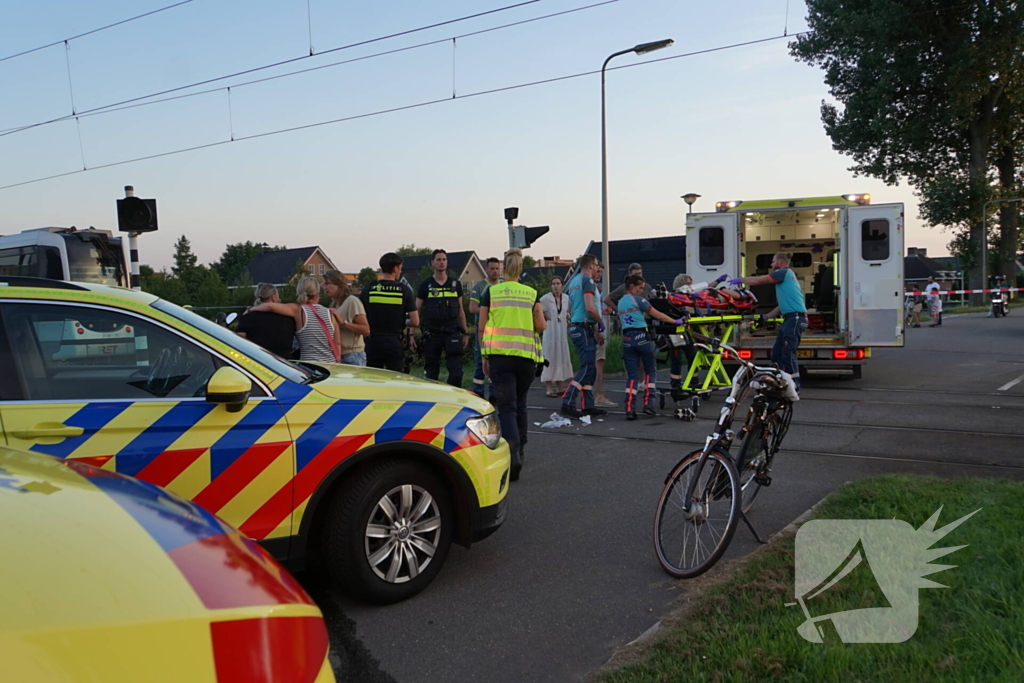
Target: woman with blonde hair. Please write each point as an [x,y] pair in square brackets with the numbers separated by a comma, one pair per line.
[316,326]
[510,319]
[352,314]
[273,332]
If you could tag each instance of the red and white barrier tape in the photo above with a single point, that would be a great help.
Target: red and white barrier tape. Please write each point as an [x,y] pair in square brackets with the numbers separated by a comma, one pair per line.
[972,291]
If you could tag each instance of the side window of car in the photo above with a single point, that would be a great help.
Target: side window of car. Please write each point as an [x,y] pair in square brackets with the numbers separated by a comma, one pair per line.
[68,352]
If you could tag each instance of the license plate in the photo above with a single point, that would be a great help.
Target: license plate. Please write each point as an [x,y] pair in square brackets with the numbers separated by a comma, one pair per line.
[804,353]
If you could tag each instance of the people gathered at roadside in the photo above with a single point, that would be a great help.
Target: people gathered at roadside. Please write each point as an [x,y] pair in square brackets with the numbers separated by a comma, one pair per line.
[317,327]
[273,332]
[556,339]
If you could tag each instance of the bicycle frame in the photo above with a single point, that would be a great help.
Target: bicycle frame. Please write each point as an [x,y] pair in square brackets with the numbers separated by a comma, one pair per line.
[723,435]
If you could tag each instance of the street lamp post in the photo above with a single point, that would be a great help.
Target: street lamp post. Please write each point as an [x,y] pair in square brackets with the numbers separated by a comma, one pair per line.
[984,237]
[690,198]
[641,49]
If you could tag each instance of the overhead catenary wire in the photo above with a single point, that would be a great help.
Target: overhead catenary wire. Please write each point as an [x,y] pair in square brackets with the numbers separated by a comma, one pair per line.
[135,105]
[95,30]
[407,107]
[12,131]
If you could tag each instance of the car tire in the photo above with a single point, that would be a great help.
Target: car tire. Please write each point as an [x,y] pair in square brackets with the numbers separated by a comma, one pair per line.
[380,558]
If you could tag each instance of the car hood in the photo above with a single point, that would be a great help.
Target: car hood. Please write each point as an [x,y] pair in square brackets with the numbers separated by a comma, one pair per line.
[355,382]
[96,548]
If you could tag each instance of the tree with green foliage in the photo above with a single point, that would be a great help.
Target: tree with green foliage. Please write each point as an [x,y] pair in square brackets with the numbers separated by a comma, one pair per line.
[933,96]
[413,250]
[163,284]
[367,276]
[529,262]
[184,260]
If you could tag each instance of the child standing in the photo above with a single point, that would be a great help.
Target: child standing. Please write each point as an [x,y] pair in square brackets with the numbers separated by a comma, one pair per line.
[638,345]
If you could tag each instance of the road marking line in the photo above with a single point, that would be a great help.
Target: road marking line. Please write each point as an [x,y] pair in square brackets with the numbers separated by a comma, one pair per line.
[1012,384]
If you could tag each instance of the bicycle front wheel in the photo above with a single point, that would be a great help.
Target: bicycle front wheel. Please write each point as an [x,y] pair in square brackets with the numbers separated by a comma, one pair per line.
[691,535]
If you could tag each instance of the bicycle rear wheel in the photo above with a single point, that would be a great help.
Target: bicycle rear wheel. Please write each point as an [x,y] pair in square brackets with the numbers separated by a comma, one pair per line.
[691,536]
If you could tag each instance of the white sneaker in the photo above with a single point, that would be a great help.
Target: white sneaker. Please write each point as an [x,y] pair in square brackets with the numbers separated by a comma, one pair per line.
[605,403]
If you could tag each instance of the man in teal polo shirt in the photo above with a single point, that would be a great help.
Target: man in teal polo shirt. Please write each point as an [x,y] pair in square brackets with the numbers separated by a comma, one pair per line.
[793,308]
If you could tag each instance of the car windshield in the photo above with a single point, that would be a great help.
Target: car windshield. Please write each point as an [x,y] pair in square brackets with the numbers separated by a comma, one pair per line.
[289,371]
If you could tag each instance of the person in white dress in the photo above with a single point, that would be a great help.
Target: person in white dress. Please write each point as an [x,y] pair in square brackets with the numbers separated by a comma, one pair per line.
[556,338]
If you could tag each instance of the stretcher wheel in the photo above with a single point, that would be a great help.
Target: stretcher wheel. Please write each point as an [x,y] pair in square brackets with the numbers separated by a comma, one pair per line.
[686,414]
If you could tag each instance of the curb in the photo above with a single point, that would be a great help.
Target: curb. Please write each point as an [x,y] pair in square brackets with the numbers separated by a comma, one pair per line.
[789,529]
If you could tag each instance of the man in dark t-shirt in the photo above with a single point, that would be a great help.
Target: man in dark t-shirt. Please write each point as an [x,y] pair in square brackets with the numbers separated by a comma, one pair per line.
[388,302]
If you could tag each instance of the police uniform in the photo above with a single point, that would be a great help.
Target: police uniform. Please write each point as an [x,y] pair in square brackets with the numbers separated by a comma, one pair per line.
[440,321]
[387,304]
[511,347]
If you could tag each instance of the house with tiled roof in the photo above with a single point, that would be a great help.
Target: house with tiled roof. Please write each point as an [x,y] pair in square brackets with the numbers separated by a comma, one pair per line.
[279,267]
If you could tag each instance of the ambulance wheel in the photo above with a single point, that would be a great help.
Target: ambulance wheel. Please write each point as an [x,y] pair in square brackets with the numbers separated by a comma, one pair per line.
[387,531]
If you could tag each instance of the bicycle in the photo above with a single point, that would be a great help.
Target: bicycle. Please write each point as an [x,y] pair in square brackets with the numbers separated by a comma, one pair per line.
[709,489]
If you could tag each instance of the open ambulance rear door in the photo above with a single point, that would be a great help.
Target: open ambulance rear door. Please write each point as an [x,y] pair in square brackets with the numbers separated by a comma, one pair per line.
[712,246]
[873,247]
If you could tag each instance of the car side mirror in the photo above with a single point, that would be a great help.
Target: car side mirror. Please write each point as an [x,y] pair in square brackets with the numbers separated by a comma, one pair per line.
[230,387]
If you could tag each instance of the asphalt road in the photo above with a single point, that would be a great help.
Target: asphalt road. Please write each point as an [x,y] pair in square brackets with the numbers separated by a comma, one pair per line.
[572,573]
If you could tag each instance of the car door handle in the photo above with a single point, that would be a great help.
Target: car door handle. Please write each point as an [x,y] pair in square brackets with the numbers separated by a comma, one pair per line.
[48,429]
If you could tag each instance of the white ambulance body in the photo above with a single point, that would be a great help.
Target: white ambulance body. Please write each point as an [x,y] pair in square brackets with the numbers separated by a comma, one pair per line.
[846,253]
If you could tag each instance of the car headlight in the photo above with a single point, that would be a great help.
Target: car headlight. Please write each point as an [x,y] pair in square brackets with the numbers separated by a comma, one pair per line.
[486,428]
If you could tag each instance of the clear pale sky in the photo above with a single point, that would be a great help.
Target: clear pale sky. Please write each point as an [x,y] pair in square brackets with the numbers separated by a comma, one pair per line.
[734,124]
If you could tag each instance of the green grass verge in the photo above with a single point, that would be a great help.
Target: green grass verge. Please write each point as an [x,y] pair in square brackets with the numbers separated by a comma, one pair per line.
[740,630]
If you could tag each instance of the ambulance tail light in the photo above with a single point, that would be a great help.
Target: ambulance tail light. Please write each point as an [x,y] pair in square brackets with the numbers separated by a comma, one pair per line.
[848,354]
[722,207]
[861,199]
[745,354]
[272,649]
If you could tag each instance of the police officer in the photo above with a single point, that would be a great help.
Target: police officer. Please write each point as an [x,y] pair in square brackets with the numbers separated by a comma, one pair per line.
[510,319]
[439,302]
[388,302]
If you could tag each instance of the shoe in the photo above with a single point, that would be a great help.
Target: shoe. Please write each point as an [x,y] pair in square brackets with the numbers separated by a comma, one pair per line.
[571,411]
[631,415]
[915,326]
[933,325]
[595,412]
[649,410]
[606,403]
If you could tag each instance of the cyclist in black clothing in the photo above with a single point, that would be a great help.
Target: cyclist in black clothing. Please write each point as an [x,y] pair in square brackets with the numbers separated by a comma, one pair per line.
[444,321]
[388,302]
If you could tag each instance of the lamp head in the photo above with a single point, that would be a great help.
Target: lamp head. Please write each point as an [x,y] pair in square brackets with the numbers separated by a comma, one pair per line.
[644,48]
[690,198]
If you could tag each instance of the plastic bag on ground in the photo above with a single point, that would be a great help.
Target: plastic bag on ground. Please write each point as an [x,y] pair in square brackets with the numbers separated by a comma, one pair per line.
[557,421]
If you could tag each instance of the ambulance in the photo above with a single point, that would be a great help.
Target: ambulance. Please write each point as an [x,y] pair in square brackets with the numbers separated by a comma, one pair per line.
[847,255]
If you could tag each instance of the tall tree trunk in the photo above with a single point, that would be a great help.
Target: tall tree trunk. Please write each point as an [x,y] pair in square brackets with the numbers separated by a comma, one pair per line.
[1008,213]
[977,138]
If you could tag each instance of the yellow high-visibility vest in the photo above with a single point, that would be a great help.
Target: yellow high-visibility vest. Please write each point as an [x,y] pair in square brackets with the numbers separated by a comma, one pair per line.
[509,330]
